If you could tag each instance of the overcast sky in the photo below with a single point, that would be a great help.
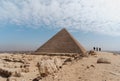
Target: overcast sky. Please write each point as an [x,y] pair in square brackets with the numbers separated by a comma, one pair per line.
[27,24]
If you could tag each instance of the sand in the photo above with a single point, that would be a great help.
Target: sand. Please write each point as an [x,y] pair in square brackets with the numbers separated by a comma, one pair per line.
[85,69]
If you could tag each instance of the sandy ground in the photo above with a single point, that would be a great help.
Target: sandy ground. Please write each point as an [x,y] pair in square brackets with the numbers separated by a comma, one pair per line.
[85,69]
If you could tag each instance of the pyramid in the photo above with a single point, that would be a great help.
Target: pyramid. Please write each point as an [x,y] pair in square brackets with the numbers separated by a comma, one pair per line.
[62,42]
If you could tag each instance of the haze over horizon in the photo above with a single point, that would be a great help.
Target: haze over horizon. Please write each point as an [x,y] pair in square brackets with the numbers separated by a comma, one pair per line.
[27,24]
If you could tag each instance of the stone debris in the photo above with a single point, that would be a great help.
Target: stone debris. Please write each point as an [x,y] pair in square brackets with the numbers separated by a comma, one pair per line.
[114,73]
[5,73]
[58,63]
[92,66]
[14,60]
[49,66]
[67,61]
[91,52]
[16,74]
[11,79]
[37,78]
[25,70]
[103,60]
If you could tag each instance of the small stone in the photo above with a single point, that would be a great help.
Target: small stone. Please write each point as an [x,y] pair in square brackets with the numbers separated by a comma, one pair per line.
[17,74]
[88,67]
[37,78]
[103,60]
[79,77]
[5,73]
[92,66]
[91,52]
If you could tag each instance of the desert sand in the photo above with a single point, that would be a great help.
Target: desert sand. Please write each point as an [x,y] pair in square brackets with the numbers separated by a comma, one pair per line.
[24,68]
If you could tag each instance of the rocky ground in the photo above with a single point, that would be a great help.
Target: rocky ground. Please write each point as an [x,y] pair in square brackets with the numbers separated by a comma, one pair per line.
[101,66]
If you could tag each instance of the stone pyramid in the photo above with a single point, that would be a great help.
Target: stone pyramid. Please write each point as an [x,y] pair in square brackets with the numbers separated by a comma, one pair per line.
[62,42]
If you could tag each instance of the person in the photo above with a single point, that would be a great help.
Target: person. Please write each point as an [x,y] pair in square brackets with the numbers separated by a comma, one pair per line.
[99,49]
[94,48]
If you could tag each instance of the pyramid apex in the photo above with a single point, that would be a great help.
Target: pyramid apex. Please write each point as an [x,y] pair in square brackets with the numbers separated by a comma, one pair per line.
[63,29]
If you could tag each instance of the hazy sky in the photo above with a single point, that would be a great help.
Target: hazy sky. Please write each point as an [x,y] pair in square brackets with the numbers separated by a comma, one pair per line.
[27,24]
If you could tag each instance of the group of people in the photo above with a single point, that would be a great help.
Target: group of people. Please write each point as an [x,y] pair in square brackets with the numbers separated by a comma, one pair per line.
[96,49]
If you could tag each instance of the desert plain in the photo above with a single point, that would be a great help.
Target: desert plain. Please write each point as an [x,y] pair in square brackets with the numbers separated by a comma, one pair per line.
[29,67]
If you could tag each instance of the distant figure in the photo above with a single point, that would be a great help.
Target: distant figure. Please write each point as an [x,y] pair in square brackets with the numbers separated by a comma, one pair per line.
[94,48]
[99,49]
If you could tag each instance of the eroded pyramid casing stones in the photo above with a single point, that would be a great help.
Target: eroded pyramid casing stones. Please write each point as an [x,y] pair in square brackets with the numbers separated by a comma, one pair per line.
[62,42]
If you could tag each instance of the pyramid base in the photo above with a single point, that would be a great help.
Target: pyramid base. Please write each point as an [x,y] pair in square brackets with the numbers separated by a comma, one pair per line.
[56,54]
